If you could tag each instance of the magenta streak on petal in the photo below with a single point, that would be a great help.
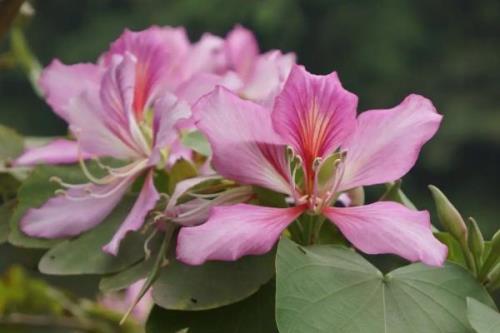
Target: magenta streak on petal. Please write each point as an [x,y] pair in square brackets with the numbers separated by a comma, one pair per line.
[314,114]
[232,232]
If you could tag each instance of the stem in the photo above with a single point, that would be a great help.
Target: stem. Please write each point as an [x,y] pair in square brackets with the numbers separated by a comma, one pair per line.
[159,262]
[318,223]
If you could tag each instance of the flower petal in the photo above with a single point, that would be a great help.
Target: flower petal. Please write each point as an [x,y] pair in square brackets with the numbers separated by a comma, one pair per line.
[207,55]
[75,212]
[268,77]
[88,121]
[245,146]
[242,50]
[159,52]
[169,110]
[389,227]
[145,202]
[232,232]
[59,151]
[386,143]
[60,83]
[314,113]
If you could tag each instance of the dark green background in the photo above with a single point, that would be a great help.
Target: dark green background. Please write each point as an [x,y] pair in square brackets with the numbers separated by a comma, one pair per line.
[447,50]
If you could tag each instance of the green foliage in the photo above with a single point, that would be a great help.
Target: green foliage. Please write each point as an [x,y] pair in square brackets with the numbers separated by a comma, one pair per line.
[482,318]
[333,289]
[211,285]
[252,315]
[11,144]
[5,214]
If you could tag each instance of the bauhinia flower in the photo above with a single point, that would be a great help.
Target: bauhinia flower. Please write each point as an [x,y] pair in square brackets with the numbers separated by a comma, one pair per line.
[312,147]
[121,108]
[253,75]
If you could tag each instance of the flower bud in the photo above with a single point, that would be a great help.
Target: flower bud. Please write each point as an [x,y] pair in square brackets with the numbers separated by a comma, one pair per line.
[449,216]
[493,256]
[476,241]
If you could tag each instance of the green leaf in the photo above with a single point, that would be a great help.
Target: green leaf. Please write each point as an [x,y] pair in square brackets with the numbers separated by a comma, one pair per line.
[5,213]
[197,142]
[334,289]
[482,318]
[252,315]
[11,144]
[214,284]
[84,254]
[33,193]
[128,276]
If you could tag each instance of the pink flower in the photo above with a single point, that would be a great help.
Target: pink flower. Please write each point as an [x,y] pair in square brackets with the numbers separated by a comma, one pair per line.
[255,76]
[262,75]
[121,107]
[311,147]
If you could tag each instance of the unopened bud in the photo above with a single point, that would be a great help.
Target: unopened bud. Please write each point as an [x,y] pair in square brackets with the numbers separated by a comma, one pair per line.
[449,216]
[493,256]
[476,241]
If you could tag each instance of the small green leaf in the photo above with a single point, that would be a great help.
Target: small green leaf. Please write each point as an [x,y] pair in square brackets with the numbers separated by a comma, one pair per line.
[214,284]
[327,288]
[482,318]
[197,142]
[11,144]
[66,257]
[252,315]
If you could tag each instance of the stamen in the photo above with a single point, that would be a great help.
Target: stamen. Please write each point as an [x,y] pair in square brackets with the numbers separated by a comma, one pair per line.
[60,182]
[317,163]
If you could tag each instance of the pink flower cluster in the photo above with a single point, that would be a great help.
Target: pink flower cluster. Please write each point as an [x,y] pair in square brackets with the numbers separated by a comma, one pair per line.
[269,122]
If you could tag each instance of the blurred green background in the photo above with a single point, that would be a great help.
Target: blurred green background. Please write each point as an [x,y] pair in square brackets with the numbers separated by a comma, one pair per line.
[447,50]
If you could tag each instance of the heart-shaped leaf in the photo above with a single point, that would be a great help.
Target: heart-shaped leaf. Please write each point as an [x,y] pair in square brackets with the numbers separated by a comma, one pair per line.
[252,315]
[214,284]
[333,289]
[482,318]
